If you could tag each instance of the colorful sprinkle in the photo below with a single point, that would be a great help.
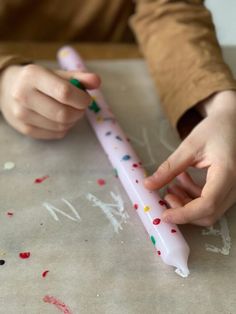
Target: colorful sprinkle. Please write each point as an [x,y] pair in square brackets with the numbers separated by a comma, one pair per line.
[94,107]
[159,253]
[173,231]
[108,133]
[146,208]
[156,221]
[64,53]
[2,262]
[59,304]
[118,138]
[101,182]
[153,240]
[24,255]
[163,203]
[136,181]
[44,274]
[135,206]
[126,157]
[77,84]
[10,214]
[40,180]
[128,139]
[135,165]
[99,119]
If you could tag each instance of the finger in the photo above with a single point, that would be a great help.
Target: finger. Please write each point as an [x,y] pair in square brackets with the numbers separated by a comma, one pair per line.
[181,159]
[56,87]
[173,201]
[219,182]
[187,213]
[216,189]
[34,119]
[189,185]
[38,133]
[51,109]
[178,191]
[89,80]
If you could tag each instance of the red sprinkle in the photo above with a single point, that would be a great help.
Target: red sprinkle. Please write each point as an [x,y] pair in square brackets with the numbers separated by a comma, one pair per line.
[156,221]
[59,304]
[159,252]
[135,206]
[44,274]
[140,163]
[24,255]
[101,182]
[10,214]
[40,180]
[135,165]
[163,203]
[173,231]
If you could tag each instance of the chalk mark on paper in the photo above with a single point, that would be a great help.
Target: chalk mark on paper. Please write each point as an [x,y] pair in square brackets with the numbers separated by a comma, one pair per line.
[53,210]
[222,232]
[114,212]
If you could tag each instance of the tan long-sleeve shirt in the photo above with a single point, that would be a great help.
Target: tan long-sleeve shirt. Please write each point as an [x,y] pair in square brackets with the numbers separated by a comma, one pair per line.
[176,37]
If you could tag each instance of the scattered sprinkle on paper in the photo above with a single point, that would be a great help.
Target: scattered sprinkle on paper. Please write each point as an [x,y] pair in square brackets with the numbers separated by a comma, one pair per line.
[40,180]
[101,182]
[24,255]
[10,214]
[44,274]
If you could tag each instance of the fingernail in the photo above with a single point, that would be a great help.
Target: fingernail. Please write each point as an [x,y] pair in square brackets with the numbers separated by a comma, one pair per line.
[149,179]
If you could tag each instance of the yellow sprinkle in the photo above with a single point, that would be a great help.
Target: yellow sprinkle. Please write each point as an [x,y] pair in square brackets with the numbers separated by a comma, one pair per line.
[146,208]
[64,53]
[99,119]
[94,98]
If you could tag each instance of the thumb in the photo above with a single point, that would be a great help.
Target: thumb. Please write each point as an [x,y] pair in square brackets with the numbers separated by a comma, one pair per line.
[89,80]
[176,163]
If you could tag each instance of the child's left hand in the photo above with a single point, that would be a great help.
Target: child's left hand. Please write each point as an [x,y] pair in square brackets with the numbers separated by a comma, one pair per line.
[210,145]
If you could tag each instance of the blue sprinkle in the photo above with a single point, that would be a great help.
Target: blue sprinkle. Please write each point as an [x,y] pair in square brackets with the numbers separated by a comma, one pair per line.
[118,138]
[108,133]
[126,157]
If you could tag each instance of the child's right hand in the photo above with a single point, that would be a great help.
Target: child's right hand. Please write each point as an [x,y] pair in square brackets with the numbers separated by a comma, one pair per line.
[43,104]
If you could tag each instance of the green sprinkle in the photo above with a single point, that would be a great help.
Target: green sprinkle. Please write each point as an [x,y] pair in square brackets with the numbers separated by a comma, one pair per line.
[153,240]
[94,107]
[77,83]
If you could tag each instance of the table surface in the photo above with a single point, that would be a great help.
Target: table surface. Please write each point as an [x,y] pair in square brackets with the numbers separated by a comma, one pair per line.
[93,267]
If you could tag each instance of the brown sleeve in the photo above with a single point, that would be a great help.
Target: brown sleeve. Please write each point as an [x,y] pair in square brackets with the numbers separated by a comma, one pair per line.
[179,42]
[6,60]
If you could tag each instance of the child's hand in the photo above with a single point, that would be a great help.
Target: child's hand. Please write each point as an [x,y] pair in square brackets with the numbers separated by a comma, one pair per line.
[211,145]
[42,103]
